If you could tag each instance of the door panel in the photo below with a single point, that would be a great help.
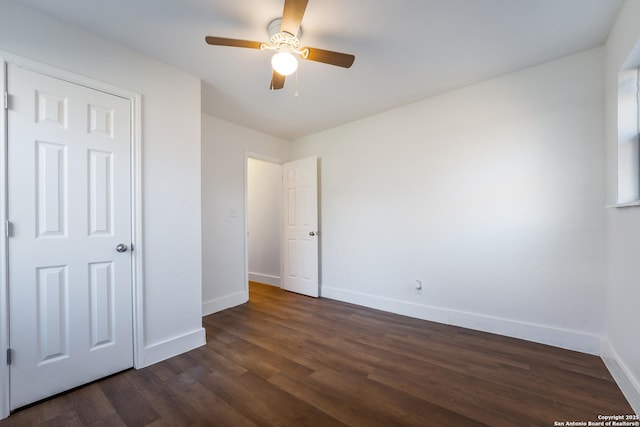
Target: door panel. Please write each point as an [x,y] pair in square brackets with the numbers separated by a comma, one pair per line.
[100,193]
[102,307]
[51,184]
[52,295]
[69,204]
[300,248]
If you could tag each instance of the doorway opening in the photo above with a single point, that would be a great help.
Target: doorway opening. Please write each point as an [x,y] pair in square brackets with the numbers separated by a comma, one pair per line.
[264,220]
[291,248]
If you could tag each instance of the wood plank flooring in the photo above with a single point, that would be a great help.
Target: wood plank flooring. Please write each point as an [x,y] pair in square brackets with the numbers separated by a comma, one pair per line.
[288,360]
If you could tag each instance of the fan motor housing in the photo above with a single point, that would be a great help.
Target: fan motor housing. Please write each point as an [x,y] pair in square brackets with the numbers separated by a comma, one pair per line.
[275,26]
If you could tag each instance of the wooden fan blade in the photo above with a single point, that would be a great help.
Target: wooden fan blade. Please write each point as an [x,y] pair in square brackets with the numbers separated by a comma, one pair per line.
[333,58]
[292,15]
[277,81]
[221,41]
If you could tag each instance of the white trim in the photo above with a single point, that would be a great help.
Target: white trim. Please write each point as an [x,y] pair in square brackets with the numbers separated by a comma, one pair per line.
[4,261]
[136,231]
[625,205]
[222,303]
[265,278]
[621,373]
[67,76]
[264,158]
[136,206]
[167,349]
[245,225]
[571,340]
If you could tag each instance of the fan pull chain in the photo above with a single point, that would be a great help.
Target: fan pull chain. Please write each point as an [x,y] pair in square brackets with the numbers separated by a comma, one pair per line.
[297,93]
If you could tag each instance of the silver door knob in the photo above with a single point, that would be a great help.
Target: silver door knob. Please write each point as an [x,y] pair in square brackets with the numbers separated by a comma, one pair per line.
[121,247]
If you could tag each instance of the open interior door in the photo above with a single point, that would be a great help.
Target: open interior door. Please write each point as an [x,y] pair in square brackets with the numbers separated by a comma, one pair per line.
[300,226]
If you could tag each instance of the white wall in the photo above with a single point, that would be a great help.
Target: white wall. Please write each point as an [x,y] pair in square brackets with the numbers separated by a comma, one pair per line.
[621,349]
[264,199]
[224,150]
[492,195]
[170,163]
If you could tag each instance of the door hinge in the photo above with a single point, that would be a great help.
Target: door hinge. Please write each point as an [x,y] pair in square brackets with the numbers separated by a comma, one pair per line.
[8,356]
[7,229]
[6,100]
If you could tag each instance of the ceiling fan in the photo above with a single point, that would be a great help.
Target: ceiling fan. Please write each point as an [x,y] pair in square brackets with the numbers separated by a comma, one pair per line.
[283,33]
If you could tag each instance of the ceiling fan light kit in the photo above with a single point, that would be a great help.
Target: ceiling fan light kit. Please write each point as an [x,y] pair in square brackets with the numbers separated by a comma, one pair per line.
[284,63]
[284,36]
[285,45]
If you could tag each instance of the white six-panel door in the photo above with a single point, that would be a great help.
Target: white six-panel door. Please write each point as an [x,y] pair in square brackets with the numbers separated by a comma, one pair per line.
[300,226]
[69,204]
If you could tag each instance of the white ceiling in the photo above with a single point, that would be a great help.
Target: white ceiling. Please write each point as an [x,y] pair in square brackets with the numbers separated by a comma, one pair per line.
[406,50]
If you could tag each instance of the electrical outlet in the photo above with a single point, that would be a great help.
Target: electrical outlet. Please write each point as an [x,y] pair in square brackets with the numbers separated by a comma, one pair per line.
[417,287]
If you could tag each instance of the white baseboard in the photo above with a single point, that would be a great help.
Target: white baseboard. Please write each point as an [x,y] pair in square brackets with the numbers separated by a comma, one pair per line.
[620,372]
[158,352]
[264,278]
[222,303]
[571,340]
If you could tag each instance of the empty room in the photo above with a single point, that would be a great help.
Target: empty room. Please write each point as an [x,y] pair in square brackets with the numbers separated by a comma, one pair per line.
[320,212]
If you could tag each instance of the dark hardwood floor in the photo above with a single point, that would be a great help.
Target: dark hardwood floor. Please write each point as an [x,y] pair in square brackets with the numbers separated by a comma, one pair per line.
[288,360]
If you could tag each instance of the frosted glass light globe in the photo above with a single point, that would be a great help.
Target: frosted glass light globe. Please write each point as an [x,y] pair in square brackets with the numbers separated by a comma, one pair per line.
[284,63]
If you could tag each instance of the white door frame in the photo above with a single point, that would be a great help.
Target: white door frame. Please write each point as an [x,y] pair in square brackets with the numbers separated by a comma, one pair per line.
[256,156]
[136,209]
